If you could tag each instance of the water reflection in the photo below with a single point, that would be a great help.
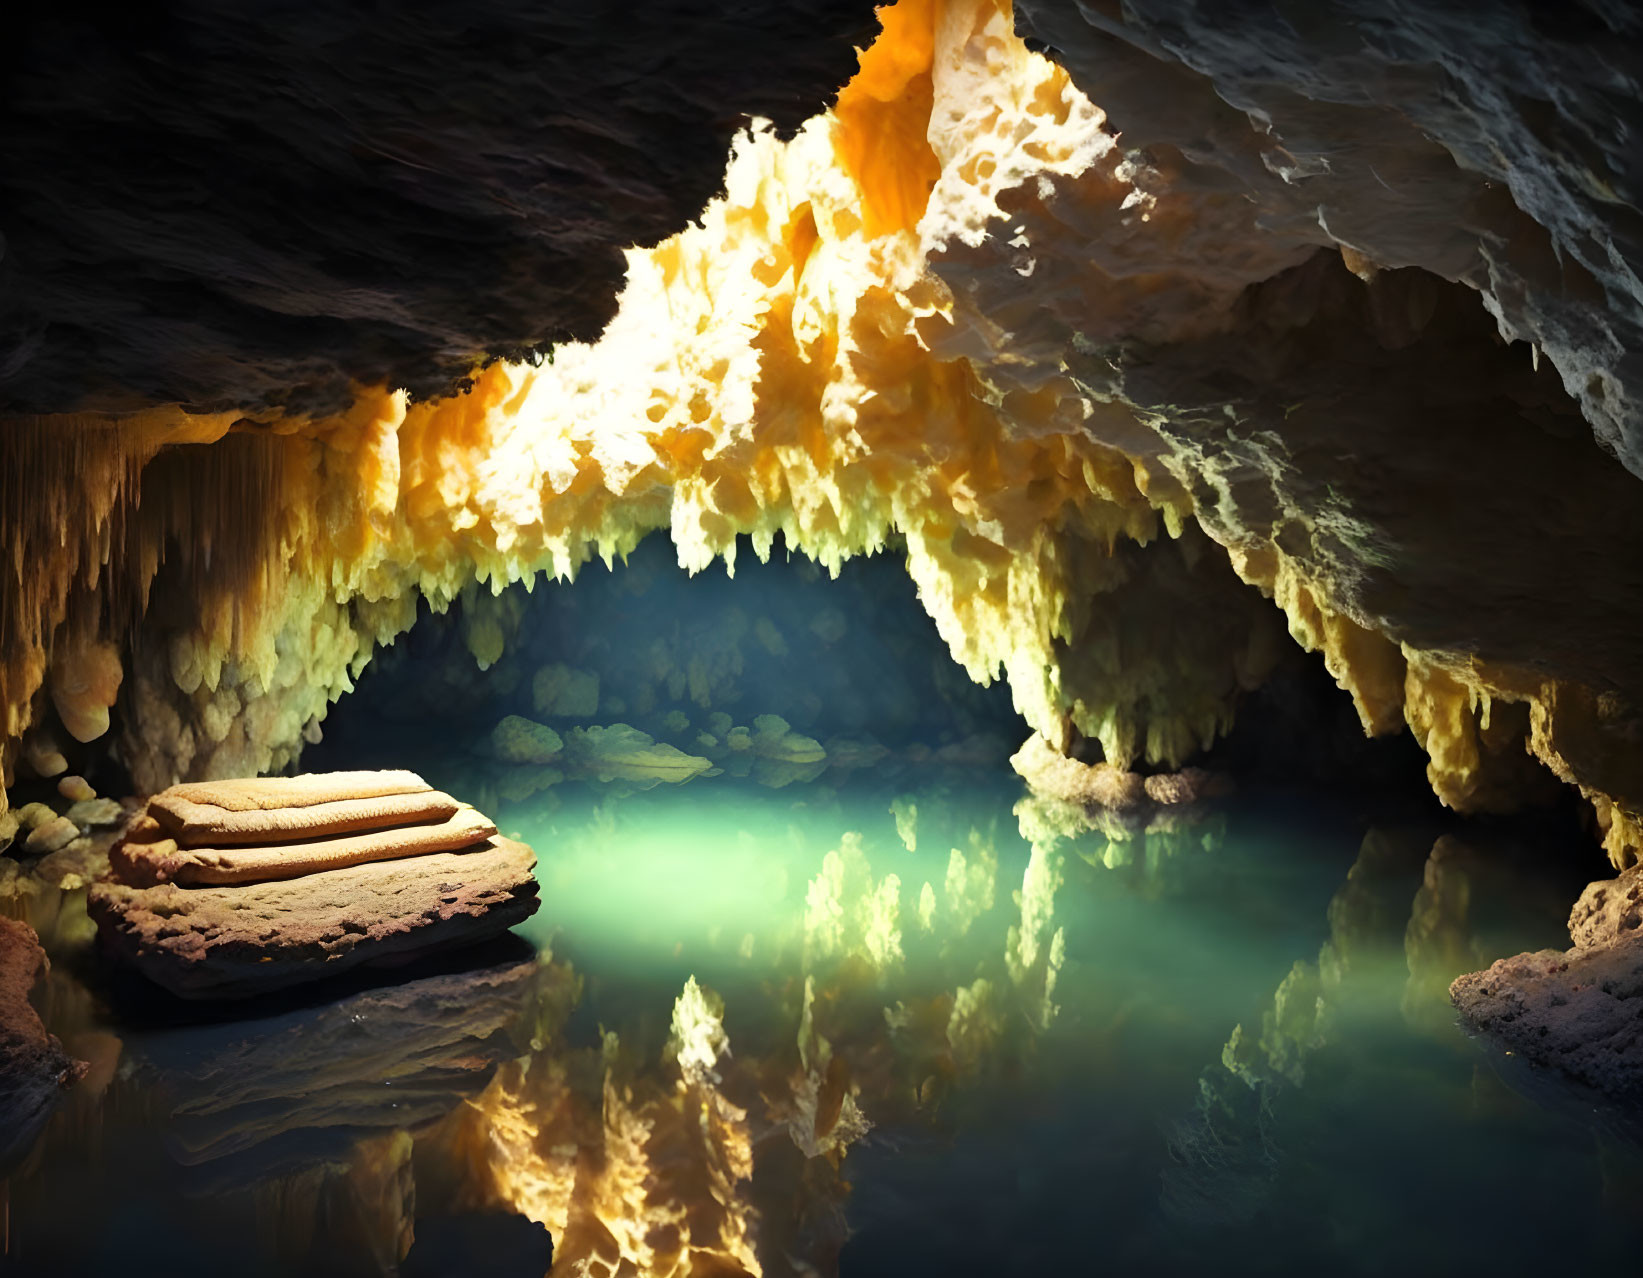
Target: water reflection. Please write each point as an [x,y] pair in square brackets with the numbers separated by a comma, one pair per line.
[929,1026]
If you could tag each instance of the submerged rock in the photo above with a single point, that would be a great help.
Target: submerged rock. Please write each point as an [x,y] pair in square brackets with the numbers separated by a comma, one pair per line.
[519,740]
[34,1068]
[1578,1012]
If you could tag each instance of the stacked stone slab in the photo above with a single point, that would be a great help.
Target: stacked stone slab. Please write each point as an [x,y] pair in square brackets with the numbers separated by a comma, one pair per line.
[224,889]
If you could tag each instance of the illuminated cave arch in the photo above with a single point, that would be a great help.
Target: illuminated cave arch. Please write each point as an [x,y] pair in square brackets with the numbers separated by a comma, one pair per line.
[955,310]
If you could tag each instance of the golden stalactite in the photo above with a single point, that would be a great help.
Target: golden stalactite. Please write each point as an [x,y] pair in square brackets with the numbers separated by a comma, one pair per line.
[883,119]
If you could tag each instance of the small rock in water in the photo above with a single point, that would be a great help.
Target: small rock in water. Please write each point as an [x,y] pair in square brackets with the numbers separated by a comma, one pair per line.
[76,789]
[90,813]
[56,833]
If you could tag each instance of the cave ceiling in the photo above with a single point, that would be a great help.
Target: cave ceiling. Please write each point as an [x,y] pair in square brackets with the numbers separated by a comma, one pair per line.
[265,203]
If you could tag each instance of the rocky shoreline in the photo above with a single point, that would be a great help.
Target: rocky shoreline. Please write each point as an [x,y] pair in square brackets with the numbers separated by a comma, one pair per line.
[1578,1012]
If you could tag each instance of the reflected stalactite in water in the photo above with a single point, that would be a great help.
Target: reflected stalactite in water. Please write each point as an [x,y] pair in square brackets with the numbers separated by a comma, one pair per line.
[709,1157]
[850,914]
[1226,1154]
[1440,942]
[1402,926]
[630,1170]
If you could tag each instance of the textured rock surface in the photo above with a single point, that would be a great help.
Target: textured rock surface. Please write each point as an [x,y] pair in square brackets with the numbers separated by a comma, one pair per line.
[1608,912]
[34,1069]
[235,941]
[1579,1012]
[1483,143]
[271,202]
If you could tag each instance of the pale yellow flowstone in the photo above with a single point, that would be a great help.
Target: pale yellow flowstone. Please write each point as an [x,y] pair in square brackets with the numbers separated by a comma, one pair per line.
[796,362]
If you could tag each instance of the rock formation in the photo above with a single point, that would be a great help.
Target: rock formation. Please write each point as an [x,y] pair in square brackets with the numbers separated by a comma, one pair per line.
[216,892]
[479,174]
[1577,1013]
[1115,343]
[34,1069]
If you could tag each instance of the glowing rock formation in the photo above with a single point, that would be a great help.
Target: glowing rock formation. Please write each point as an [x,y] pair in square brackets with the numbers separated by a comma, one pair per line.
[902,328]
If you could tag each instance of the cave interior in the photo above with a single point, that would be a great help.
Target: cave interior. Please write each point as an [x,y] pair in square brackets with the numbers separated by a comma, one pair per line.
[808,639]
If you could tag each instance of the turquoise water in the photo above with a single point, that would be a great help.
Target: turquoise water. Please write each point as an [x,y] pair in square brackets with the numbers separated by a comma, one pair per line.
[1225,1045]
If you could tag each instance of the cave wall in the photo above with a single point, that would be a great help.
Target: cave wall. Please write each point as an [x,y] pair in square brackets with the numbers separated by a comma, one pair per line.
[969,309]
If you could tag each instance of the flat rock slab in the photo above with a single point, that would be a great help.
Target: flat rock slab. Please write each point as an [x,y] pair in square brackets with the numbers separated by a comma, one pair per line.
[237,941]
[34,1068]
[269,794]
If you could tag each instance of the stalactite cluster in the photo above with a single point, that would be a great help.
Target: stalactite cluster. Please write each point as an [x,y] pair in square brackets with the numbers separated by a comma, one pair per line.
[953,313]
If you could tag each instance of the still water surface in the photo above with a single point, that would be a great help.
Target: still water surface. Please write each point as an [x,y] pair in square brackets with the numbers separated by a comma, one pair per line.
[870,1030]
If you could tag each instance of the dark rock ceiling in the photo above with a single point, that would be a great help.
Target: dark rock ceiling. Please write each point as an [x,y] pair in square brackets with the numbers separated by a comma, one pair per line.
[254,203]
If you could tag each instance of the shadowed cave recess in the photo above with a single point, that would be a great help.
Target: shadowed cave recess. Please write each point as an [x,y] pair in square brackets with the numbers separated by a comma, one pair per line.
[1000,558]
